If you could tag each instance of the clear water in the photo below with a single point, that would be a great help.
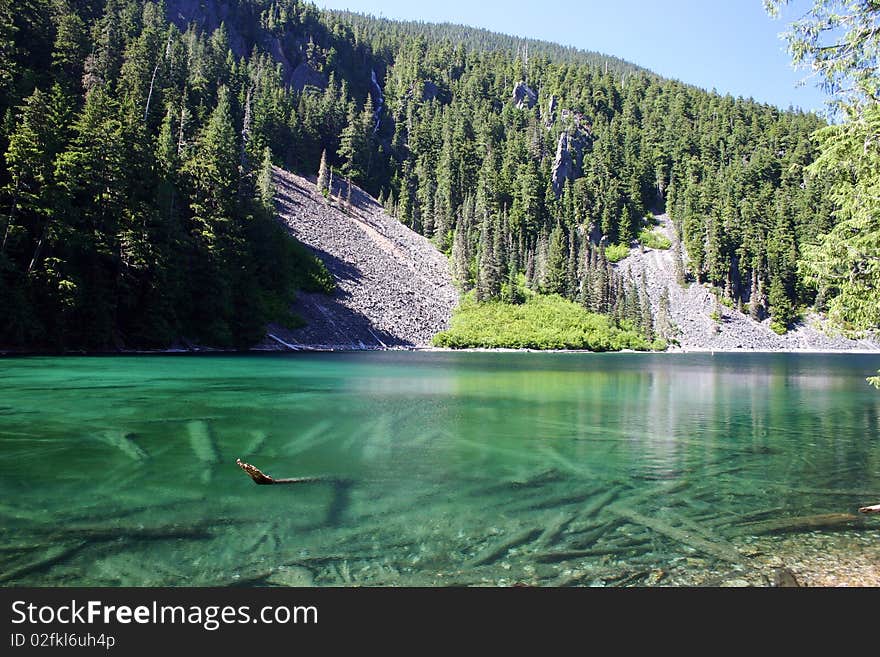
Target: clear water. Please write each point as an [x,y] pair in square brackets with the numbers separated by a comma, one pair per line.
[450,468]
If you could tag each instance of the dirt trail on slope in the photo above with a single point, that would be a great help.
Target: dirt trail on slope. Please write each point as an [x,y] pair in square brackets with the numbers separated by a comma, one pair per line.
[691,308]
[394,288]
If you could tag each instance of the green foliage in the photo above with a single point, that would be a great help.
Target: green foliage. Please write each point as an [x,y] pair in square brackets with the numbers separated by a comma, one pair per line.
[131,212]
[839,41]
[874,381]
[845,262]
[654,240]
[135,184]
[616,252]
[542,322]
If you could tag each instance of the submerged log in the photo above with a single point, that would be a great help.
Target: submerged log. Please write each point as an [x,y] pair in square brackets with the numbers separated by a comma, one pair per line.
[723,551]
[555,529]
[202,442]
[589,536]
[799,524]
[53,555]
[600,502]
[568,555]
[494,552]
[263,479]
[124,442]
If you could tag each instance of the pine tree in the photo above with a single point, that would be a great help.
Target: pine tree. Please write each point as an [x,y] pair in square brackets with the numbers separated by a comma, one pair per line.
[265,184]
[323,183]
[461,258]
[557,260]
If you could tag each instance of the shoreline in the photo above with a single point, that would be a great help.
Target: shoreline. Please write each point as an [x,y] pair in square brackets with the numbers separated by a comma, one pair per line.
[11,353]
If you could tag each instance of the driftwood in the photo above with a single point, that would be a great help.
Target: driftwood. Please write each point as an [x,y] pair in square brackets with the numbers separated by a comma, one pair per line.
[875,508]
[263,479]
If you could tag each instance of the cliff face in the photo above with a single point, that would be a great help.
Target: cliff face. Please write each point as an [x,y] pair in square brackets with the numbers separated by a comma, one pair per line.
[574,141]
[238,18]
[394,287]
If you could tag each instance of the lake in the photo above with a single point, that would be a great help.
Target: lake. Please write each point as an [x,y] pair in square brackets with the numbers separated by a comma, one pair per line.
[443,468]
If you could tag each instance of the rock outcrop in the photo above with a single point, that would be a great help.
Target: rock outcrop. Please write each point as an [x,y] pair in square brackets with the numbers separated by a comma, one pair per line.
[524,97]
[563,166]
[575,139]
[550,114]
[209,15]
[394,288]
[305,75]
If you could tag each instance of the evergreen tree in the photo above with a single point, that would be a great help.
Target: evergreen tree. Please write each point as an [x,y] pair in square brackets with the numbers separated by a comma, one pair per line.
[323,183]
[557,260]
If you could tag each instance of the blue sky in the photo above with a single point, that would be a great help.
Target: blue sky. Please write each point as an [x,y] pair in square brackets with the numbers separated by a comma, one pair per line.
[732,46]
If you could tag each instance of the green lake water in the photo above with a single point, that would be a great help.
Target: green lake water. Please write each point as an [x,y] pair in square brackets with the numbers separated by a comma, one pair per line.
[449,468]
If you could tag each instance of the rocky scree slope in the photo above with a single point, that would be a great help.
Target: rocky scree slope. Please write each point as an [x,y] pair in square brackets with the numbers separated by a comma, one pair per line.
[394,288]
[691,309]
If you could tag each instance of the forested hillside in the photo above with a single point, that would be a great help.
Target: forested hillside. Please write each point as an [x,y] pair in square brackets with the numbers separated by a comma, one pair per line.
[138,137]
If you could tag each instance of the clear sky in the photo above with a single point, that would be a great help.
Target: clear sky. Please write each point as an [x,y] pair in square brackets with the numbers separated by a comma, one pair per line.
[732,46]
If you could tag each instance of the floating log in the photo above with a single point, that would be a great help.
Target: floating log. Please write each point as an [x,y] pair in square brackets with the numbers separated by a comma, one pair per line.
[799,524]
[721,551]
[495,552]
[263,479]
[875,508]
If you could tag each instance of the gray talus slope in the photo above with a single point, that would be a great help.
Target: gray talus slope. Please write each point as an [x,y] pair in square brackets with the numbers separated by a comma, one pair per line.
[394,286]
[691,307]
